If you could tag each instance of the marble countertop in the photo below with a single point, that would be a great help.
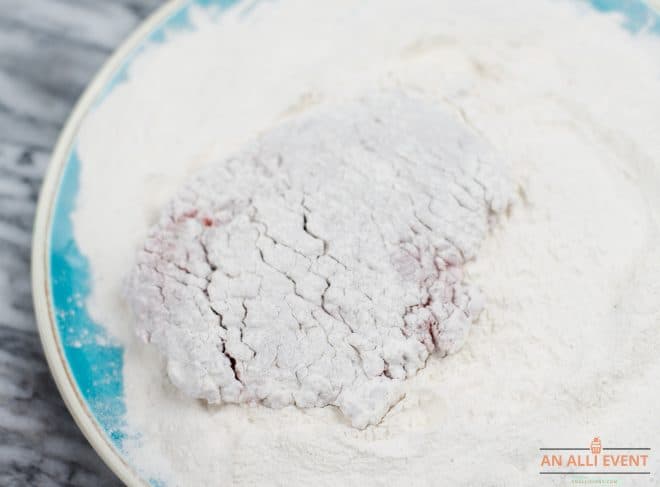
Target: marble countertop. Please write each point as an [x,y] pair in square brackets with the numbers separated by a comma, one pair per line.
[49,51]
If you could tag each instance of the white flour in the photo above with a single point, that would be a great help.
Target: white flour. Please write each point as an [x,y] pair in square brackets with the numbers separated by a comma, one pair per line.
[566,348]
[323,264]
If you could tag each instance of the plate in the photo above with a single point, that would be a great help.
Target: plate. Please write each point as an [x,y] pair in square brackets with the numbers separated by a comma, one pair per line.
[86,365]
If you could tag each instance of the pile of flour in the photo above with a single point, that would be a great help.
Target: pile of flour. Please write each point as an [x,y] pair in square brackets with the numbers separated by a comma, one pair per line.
[566,347]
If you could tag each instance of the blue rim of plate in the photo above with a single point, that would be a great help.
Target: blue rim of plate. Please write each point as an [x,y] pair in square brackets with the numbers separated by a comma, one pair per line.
[86,363]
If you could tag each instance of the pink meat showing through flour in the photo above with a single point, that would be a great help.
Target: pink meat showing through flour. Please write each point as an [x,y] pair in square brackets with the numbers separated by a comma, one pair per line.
[323,264]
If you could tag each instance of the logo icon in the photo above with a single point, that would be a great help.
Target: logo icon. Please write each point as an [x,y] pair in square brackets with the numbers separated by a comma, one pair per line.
[596,447]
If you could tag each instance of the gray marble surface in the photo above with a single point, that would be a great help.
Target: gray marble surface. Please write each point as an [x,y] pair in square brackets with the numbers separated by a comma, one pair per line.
[49,50]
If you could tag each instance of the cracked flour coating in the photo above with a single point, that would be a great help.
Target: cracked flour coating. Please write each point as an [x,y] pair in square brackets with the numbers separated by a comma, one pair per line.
[322,264]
